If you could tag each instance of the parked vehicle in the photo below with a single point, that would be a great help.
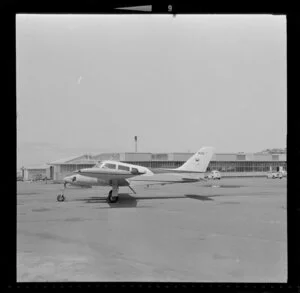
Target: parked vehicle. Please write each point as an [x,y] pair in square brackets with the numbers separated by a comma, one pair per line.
[39,177]
[275,175]
[215,174]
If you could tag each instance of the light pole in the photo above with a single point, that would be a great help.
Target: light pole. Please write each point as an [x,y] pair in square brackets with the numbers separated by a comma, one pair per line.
[135,139]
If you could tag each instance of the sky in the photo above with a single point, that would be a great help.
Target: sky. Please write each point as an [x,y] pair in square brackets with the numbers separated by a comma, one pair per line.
[90,83]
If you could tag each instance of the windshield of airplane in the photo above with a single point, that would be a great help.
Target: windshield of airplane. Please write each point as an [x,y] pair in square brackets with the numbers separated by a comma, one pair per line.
[109,166]
[98,165]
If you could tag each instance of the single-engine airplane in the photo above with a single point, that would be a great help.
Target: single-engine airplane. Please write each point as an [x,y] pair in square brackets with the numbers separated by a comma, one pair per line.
[117,174]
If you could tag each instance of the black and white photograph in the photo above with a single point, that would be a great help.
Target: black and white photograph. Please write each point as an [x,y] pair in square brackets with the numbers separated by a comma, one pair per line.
[151,148]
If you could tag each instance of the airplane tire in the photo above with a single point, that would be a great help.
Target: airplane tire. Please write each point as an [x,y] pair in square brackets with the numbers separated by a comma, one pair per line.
[112,199]
[61,197]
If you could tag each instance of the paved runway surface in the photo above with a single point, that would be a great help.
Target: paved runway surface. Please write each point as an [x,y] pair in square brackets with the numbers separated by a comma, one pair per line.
[235,231]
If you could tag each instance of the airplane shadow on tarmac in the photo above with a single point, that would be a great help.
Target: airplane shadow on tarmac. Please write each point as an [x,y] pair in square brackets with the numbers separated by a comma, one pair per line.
[128,201]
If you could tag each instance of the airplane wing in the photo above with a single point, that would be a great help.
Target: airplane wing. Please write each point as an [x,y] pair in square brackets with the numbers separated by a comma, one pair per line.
[108,176]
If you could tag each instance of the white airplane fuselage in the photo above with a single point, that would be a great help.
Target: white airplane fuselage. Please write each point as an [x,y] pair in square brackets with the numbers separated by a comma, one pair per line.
[90,177]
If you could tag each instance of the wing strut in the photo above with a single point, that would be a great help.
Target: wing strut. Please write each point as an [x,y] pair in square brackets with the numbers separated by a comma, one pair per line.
[132,189]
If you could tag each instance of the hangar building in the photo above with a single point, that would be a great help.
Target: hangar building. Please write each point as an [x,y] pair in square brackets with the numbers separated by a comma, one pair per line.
[227,163]
[33,172]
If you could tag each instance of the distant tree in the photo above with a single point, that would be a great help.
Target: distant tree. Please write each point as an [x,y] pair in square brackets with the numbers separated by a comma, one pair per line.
[275,151]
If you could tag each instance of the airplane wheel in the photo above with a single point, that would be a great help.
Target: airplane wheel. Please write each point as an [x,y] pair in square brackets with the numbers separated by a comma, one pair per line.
[112,199]
[61,197]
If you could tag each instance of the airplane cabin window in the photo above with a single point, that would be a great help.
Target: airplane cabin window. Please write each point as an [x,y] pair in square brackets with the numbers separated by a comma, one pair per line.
[110,166]
[134,170]
[125,168]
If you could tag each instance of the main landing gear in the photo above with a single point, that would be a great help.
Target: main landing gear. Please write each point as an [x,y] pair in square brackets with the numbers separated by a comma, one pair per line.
[113,194]
[111,198]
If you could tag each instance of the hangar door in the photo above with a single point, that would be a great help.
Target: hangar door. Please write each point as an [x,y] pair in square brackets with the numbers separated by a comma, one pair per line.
[51,172]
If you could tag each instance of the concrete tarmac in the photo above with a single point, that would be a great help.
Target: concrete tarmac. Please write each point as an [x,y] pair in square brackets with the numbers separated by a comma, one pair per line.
[228,230]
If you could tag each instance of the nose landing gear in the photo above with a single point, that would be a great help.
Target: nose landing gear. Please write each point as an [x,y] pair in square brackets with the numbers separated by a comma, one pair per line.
[61,197]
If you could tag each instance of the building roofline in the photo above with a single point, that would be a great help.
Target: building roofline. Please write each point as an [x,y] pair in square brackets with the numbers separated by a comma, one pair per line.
[66,160]
[36,167]
[91,158]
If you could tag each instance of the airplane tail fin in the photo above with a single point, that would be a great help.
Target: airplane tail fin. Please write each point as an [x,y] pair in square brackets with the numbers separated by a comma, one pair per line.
[199,161]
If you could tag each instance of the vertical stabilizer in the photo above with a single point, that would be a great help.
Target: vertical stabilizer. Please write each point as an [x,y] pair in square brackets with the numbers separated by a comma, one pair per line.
[199,161]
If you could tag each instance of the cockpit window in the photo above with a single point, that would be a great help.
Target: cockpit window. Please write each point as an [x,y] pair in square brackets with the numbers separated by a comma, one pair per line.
[122,167]
[110,166]
[98,164]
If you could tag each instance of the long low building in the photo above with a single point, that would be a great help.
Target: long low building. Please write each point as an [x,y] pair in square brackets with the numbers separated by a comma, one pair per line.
[34,172]
[224,162]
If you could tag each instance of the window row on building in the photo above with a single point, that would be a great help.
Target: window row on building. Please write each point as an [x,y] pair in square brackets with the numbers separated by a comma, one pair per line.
[245,166]
[229,166]
[74,167]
